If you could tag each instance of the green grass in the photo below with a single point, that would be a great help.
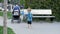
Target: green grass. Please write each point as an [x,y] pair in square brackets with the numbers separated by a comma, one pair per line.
[9,14]
[1,13]
[9,30]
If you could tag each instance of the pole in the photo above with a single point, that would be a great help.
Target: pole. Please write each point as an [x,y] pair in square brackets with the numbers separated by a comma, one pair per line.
[11,7]
[5,17]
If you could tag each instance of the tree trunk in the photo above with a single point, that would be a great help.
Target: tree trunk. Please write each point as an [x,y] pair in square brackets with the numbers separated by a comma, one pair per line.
[5,17]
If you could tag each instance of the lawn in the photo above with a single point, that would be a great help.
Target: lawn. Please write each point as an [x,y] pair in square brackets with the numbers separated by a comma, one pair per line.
[9,30]
[9,14]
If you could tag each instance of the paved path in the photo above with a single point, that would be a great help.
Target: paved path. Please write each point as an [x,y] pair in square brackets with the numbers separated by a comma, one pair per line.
[37,28]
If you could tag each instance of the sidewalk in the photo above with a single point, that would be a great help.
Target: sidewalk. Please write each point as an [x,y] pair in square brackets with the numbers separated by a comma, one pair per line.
[37,28]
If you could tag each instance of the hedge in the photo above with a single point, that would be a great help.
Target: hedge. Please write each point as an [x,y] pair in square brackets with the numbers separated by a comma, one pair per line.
[45,4]
[9,30]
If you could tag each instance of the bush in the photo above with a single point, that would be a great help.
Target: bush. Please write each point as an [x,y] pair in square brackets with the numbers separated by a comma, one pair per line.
[9,30]
[9,14]
[45,4]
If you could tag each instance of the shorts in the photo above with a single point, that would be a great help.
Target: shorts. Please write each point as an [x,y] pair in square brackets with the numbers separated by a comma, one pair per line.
[29,22]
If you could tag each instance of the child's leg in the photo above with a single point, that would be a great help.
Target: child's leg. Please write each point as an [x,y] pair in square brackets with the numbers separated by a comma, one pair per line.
[29,24]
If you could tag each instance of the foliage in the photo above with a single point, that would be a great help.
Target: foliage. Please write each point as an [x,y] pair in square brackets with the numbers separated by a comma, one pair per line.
[45,4]
[1,0]
[9,30]
[9,14]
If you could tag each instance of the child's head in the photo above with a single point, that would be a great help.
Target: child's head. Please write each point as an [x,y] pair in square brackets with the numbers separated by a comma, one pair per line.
[29,9]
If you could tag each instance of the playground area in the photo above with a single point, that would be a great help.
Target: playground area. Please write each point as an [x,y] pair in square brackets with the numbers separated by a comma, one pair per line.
[37,27]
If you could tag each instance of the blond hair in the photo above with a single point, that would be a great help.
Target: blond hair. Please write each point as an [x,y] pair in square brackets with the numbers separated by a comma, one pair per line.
[29,9]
